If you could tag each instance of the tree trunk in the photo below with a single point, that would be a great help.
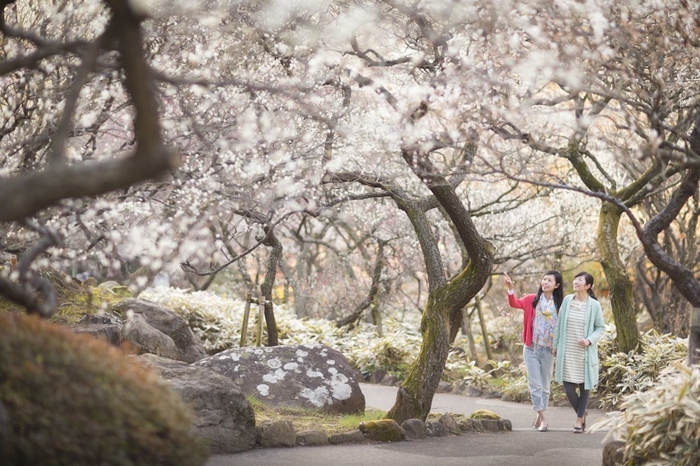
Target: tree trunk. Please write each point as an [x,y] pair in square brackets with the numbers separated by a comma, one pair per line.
[621,298]
[302,301]
[484,332]
[446,298]
[272,334]
[673,315]
[456,320]
[415,396]
[269,283]
[416,393]
[694,337]
[377,318]
[682,277]
[468,332]
[372,298]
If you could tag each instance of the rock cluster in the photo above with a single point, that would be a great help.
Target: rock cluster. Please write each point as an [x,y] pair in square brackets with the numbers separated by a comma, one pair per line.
[313,377]
[281,433]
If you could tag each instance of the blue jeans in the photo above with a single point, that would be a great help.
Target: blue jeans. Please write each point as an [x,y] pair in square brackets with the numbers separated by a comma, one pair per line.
[539,362]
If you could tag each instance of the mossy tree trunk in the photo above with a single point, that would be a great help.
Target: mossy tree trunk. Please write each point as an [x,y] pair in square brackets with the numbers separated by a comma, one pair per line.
[446,298]
[621,296]
[415,396]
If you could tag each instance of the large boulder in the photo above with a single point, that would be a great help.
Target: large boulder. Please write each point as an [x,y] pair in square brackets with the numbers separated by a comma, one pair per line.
[222,415]
[146,339]
[103,326]
[189,348]
[306,376]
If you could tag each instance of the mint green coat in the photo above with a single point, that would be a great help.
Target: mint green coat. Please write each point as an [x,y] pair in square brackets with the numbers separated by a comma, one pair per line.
[593,328]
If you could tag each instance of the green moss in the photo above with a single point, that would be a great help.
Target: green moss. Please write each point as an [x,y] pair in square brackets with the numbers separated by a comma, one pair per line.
[383,430]
[351,421]
[81,301]
[8,306]
[73,399]
[306,419]
[484,414]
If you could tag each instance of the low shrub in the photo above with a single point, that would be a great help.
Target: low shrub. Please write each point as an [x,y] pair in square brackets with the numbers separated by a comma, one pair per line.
[622,374]
[72,399]
[661,425]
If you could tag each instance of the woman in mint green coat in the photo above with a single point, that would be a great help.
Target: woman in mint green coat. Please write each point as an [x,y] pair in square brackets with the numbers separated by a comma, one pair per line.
[580,326]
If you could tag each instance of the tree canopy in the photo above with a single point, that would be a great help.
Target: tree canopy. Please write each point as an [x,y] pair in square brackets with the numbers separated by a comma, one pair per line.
[351,154]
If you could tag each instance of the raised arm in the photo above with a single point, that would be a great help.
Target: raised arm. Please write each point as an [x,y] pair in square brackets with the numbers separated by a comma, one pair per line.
[512,300]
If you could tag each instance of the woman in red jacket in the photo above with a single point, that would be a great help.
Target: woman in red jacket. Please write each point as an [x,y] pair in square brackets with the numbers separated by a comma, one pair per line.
[539,322]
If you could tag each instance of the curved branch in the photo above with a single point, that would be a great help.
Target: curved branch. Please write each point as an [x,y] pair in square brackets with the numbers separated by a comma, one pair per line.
[33,291]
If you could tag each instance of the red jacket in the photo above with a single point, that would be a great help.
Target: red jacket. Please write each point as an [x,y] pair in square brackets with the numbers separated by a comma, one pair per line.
[526,303]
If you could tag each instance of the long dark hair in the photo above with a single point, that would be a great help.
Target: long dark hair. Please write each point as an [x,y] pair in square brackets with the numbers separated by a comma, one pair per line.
[589,281]
[557,294]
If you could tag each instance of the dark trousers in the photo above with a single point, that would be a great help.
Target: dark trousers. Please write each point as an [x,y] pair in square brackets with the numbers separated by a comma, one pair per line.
[579,401]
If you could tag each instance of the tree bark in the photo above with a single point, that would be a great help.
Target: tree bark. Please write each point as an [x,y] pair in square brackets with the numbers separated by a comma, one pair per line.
[269,283]
[377,317]
[621,296]
[682,278]
[373,295]
[470,336]
[484,332]
[445,298]
[415,395]
[694,337]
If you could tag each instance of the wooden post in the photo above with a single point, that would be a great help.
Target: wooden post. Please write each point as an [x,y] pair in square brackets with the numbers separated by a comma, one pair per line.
[694,337]
[377,316]
[261,317]
[467,328]
[489,353]
[246,314]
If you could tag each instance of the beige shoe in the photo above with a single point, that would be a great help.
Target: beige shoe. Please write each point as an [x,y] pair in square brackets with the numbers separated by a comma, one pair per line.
[537,422]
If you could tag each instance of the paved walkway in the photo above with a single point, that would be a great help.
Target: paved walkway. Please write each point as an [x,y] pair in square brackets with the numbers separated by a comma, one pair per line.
[559,446]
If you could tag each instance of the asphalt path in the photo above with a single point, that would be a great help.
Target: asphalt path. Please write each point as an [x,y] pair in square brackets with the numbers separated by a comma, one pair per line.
[556,447]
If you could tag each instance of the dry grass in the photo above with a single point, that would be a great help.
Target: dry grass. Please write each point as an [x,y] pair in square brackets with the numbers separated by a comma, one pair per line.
[73,299]
[312,420]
